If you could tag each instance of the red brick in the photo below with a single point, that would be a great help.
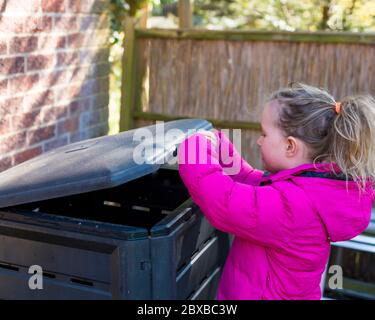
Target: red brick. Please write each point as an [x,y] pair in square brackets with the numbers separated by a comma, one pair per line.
[54,113]
[3,46]
[86,56]
[12,65]
[3,4]
[3,87]
[74,6]
[76,40]
[85,119]
[63,23]
[55,78]
[104,114]
[88,22]
[10,25]
[38,24]
[41,61]
[5,163]
[53,6]
[95,118]
[22,6]
[102,85]
[97,131]
[23,83]
[86,6]
[74,108]
[59,142]
[102,55]
[13,142]
[88,88]
[67,58]
[5,125]
[79,74]
[79,106]
[100,70]
[52,42]
[92,72]
[10,106]
[38,100]
[41,134]
[78,136]
[92,21]
[25,120]
[67,93]
[100,100]
[94,56]
[69,125]
[23,44]
[26,155]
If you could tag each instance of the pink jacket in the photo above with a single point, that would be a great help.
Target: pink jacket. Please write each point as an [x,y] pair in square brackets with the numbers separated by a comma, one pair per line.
[283,223]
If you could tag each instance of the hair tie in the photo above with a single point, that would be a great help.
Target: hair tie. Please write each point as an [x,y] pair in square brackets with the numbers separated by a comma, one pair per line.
[338,107]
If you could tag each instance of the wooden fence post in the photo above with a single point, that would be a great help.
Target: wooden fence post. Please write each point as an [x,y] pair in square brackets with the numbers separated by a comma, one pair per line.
[185,13]
[128,82]
[144,15]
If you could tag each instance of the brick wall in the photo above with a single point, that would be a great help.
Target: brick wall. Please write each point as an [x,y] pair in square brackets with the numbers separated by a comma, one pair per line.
[53,75]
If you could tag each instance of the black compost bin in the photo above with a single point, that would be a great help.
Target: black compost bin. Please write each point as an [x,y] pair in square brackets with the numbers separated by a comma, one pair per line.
[101,226]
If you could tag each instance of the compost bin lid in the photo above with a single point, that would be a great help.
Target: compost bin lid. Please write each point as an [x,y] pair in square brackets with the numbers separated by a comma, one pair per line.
[94,164]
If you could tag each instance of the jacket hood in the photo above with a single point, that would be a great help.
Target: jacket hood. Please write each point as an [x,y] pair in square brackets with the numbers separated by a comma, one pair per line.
[344,212]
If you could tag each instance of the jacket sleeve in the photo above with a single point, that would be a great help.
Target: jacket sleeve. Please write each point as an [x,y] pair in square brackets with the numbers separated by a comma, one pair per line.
[259,214]
[230,158]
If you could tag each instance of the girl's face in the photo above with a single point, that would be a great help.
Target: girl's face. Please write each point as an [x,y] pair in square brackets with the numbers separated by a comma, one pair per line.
[278,151]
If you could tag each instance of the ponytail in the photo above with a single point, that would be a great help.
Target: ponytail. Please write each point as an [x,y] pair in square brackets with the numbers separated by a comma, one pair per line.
[342,133]
[352,145]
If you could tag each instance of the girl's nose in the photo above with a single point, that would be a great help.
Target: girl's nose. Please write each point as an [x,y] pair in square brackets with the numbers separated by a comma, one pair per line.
[259,141]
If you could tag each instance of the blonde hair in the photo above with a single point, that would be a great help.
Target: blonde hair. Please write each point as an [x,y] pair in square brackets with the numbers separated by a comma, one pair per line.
[346,138]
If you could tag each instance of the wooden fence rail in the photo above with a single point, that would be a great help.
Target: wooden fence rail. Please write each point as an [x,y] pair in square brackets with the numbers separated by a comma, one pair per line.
[226,76]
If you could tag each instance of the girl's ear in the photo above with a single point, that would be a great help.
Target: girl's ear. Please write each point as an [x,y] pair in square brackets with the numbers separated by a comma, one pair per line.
[291,147]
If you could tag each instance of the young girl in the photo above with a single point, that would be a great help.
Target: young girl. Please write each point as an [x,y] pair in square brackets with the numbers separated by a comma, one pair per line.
[319,157]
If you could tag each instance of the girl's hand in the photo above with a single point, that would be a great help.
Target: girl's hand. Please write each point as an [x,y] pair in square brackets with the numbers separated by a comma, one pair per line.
[210,136]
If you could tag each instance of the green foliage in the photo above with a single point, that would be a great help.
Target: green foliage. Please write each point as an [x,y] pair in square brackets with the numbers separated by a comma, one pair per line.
[289,15]
[160,5]
[118,10]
